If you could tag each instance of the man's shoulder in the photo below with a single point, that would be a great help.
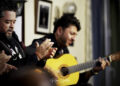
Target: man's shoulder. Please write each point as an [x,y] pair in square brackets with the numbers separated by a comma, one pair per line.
[49,36]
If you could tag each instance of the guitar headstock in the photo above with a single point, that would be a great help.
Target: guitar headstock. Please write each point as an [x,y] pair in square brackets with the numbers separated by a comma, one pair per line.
[115,56]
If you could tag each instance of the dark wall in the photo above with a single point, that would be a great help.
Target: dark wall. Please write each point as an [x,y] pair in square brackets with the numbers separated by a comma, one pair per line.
[115,38]
[98,36]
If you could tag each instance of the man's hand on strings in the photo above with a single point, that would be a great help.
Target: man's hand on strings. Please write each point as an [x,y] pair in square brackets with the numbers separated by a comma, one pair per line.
[101,65]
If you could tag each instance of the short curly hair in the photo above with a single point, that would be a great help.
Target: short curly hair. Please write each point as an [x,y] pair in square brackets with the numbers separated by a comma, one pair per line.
[7,5]
[65,21]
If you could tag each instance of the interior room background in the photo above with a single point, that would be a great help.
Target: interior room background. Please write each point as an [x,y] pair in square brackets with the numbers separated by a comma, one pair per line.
[99,35]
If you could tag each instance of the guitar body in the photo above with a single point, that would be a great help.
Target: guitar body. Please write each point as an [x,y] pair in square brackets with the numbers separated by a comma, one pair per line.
[65,60]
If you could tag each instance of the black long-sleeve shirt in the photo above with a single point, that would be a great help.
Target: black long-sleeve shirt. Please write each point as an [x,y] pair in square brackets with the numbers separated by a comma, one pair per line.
[15,48]
[82,80]
[18,58]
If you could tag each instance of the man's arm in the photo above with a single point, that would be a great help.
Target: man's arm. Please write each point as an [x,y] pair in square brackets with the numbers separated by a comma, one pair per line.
[40,50]
[84,77]
[4,67]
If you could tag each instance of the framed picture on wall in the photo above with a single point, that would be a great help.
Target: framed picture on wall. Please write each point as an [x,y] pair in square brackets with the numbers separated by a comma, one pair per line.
[44,11]
[19,25]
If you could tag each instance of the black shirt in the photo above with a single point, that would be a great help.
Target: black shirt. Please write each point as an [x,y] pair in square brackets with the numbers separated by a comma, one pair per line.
[31,49]
[14,48]
[59,51]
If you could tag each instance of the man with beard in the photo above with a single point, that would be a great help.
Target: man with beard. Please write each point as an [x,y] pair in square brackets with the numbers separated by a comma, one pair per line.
[12,55]
[65,31]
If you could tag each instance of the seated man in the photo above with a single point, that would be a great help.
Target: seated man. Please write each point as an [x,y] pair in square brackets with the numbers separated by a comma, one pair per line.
[65,31]
[11,45]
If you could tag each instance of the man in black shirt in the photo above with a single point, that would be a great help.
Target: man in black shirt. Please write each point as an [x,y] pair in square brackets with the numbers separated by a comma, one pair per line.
[65,31]
[11,47]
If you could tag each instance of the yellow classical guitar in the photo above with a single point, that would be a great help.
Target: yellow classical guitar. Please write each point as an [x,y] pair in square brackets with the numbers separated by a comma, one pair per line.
[66,68]
[62,62]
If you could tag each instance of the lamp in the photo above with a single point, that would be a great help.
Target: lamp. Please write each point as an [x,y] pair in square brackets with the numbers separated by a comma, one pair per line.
[69,8]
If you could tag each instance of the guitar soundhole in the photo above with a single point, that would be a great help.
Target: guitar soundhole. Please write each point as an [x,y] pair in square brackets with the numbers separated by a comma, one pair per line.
[64,71]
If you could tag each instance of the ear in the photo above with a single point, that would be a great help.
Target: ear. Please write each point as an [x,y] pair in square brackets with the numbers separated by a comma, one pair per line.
[59,30]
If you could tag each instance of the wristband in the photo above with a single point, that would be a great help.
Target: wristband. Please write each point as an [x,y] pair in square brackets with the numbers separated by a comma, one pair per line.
[110,58]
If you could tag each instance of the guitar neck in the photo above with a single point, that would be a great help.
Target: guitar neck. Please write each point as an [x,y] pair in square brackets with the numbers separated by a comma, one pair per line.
[83,66]
[80,67]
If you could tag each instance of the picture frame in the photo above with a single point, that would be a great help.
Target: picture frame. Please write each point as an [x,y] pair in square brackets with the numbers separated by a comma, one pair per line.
[43,20]
[20,25]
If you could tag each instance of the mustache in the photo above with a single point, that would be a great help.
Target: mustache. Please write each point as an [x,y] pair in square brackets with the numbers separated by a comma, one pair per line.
[10,30]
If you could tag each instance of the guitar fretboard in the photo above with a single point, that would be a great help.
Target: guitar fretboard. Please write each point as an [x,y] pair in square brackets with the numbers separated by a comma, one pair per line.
[80,67]
[83,66]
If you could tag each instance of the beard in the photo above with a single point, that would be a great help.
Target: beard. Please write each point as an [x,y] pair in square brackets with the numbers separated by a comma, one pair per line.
[66,42]
[9,34]
[63,41]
